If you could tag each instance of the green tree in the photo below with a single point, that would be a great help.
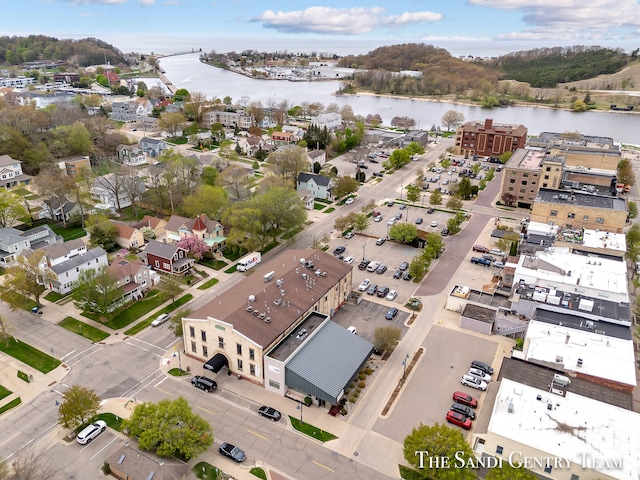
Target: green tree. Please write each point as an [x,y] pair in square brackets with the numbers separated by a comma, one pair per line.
[418,267]
[79,405]
[508,472]
[386,338]
[11,208]
[79,141]
[464,188]
[633,241]
[209,176]
[95,291]
[625,172]
[454,203]
[289,161]
[413,192]
[345,222]
[103,234]
[489,101]
[172,122]
[453,226]
[403,232]
[181,94]
[435,198]
[415,148]
[579,106]
[438,441]
[633,209]
[27,277]
[344,186]
[398,159]
[170,286]
[504,158]
[170,427]
[175,322]
[362,222]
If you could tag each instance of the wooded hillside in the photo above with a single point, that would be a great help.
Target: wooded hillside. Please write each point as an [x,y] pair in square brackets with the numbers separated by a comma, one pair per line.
[85,52]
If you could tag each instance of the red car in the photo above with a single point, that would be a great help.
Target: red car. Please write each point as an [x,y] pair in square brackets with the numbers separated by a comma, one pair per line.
[465,399]
[480,248]
[458,419]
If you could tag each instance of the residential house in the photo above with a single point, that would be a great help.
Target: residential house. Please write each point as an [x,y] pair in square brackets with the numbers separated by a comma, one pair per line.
[76,165]
[489,139]
[241,120]
[60,209]
[318,186]
[157,224]
[252,144]
[66,77]
[114,191]
[128,237]
[200,138]
[282,138]
[123,112]
[14,242]
[201,227]
[152,146]
[144,107]
[130,463]
[11,172]
[319,156]
[134,277]
[131,155]
[332,121]
[61,252]
[67,272]
[307,198]
[167,258]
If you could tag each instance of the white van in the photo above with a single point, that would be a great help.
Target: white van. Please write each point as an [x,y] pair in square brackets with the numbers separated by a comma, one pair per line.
[160,320]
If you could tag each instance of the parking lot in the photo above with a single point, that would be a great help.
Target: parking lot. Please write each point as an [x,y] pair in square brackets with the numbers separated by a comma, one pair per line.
[368,316]
[448,354]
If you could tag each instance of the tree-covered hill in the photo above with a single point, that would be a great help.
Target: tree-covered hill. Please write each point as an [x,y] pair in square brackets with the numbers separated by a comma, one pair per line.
[88,51]
[546,67]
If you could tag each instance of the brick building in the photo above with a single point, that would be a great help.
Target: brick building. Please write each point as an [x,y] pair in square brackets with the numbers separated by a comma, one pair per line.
[488,139]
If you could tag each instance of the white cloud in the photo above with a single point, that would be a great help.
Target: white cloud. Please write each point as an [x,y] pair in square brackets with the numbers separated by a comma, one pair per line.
[96,2]
[344,21]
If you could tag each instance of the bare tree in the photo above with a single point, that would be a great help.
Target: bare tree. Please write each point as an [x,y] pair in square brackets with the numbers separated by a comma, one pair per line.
[235,179]
[452,119]
[243,101]
[196,103]
[172,122]
[53,184]
[289,161]
[31,464]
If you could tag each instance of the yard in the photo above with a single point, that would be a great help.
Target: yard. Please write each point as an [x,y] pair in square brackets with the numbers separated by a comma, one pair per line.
[29,355]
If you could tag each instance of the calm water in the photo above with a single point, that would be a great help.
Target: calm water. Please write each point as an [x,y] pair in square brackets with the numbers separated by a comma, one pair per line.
[186,71]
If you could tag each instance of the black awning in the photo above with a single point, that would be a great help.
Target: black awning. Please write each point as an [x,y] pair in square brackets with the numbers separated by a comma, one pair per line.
[216,363]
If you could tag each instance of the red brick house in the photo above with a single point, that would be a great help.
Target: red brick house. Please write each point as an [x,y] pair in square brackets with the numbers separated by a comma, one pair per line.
[167,258]
[488,139]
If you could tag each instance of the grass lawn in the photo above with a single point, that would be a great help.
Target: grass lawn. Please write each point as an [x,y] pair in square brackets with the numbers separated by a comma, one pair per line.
[208,284]
[23,376]
[206,471]
[10,405]
[176,372]
[137,310]
[24,302]
[83,329]
[29,355]
[232,255]
[215,264]
[113,421]
[292,233]
[318,206]
[70,233]
[4,392]
[231,270]
[22,192]
[168,309]
[258,472]
[271,246]
[313,432]
[53,297]
[329,210]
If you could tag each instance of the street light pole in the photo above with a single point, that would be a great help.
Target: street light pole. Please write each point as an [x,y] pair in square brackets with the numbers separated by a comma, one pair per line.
[363,249]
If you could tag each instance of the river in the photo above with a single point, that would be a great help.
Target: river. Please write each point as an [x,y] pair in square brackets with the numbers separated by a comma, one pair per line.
[186,71]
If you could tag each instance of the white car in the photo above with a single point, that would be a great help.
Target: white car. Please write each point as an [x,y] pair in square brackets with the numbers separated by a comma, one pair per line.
[364,285]
[373,265]
[476,372]
[349,260]
[392,221]
[349,201]
[473,382]
[160,320]
[91,431]
[391,295]
[434,224]
[377,218]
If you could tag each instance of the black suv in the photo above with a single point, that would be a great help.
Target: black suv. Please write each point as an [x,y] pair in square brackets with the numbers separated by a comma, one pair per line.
[464,410]
[486,368]
[204,383]
[340,250]
[364,264]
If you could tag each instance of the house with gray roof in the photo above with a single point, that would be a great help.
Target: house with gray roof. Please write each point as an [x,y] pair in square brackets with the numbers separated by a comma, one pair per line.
[11,172]
[167,258]
[67,272]
[60,209]
[319,186]
[131,155]
[14,242]
[152,146]
[114,190]
[210,231]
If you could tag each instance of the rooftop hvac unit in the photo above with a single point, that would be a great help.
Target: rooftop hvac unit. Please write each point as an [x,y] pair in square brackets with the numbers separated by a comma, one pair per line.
[268,277]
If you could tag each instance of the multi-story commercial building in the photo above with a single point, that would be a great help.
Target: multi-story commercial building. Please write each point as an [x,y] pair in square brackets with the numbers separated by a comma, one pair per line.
[580,150]
[526,172]
[489,139]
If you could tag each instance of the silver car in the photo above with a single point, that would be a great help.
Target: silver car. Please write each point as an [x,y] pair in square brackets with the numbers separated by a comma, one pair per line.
[91,431]
[473,382]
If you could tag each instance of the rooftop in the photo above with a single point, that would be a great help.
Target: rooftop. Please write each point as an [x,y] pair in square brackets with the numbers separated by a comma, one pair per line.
[293,290]
[568,427]
[582,350]
[577,140]
[581,199]
[477,312]
[526,159]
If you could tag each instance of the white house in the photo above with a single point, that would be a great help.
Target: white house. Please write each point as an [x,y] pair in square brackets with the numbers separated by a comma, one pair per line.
[61,252]
[115,191]
[318,186]
[68,272]
[11,172]
[131,155]
[332,121]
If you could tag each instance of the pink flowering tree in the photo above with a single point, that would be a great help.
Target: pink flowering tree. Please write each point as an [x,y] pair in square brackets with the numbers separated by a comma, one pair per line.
[195,246]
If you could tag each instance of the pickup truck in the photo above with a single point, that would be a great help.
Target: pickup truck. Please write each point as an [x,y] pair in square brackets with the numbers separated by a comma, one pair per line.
[481,261]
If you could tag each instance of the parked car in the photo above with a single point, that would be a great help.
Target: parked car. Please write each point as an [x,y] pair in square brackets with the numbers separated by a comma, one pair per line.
[382,291]
[489,257]
[349,201]
[391,221]
[480,248]
[352,329]
[364,264]
[348,260]
[377,218]
[397,274]
[403,206]
[381,269]
[377,174]
[271,413]
[399,216]
[204,383]
[373,288]
[444,232]
[233,452]
[481,261]
[458,419]
[498,264]
[404,266]
[393,311]
[473,382]
[434,223]
[391,296]
[349,235]
[380,241]
[406,275]
[465,399]
[485,367]
[91,431]
[476,372]
[339,250]
[160,320]
[390,203]
[373,265]
[364,285]
[497,251]
[418,220]
[429,210]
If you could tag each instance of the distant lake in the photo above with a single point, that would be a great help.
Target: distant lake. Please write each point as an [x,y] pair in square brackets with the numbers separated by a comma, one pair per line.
[186,71]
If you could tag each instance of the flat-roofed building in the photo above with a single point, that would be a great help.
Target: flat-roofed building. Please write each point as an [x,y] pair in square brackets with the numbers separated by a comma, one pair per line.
[580,150]
[577,209]
[560,437]
[526,171]
[489,139]
[593,242]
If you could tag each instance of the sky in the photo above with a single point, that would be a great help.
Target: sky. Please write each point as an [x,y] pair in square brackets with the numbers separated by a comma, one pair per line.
[463,27]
